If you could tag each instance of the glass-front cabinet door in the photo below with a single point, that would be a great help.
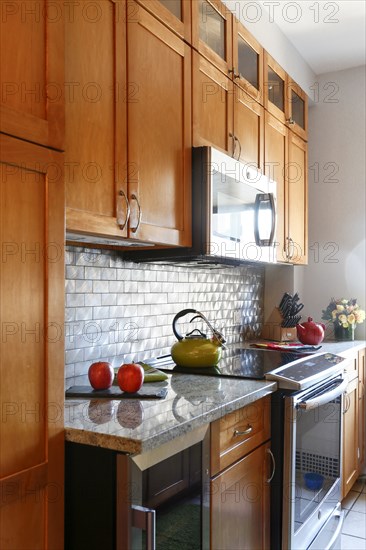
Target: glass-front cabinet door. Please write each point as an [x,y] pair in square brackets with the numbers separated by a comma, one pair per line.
[212,32]
[274,87]
[247,69]
[297,109]
[176,14]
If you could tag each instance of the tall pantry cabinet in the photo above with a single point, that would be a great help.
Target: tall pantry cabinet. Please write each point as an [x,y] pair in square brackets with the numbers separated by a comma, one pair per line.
[31,276]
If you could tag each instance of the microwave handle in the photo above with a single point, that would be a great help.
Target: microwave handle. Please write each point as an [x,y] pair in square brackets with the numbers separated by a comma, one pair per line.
[264,197]
[324,398]
[145,518]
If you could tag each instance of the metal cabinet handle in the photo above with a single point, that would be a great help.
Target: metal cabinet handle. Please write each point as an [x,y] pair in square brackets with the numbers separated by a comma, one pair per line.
[145,518]
[347,403]
[290,121]
[235,141]
[247,431]
[134,198]
[235,74]
[233,137]
[273,465]
[122,224]
[290,254]
[238,140]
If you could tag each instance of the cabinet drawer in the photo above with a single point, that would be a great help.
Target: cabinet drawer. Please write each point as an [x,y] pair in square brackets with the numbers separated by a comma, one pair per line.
[238,433]
[351,364]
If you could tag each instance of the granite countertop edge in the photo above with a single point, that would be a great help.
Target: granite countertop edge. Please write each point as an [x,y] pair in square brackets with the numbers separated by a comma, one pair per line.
[128,442]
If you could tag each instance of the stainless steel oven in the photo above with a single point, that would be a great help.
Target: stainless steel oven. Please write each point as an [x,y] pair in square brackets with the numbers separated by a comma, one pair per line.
[307,434]
[306,438]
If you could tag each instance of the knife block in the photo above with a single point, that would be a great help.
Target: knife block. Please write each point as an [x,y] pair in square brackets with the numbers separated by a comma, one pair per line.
[272,329]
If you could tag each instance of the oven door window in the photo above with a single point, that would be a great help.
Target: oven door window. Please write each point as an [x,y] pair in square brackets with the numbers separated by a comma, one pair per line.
[317,457]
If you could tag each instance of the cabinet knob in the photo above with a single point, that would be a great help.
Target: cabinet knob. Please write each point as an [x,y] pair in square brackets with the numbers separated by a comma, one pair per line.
[290,121]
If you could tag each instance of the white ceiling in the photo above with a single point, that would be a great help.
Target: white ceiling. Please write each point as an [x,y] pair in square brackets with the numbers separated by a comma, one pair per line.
[330,36]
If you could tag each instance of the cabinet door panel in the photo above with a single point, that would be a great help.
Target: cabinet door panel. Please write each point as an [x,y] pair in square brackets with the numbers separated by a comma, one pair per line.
[159,132]
[274,87]
[361,406]
[248,62]
[297,109]
[176,14]
[212,32]
[32,71]
[249,128]
[350,438]
[212,93]
[32,349]
[297,200]
[240,504]
[95,168]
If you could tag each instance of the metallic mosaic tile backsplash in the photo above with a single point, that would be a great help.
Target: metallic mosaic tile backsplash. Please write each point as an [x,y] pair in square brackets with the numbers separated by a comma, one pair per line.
[120,311]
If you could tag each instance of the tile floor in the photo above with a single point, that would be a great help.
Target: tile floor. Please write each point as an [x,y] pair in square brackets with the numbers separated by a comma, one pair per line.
[354,527]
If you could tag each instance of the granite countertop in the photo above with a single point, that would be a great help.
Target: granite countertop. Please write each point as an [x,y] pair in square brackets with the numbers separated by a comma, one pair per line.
[137,426]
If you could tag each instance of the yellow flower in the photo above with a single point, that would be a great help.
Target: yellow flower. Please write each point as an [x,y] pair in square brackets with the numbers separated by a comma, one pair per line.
[351,319]
[360,316]
[339,308]
[343,319]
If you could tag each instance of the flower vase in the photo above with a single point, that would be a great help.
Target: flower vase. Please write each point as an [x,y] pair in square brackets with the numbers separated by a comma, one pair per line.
[341,333]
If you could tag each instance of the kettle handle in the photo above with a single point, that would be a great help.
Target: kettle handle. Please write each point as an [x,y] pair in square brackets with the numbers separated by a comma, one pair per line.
[178,316]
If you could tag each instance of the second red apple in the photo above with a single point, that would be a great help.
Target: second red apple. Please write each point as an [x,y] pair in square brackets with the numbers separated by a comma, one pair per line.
[130,377]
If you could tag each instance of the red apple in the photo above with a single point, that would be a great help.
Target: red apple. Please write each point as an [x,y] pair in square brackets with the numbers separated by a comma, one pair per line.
[130,377]
[101,375]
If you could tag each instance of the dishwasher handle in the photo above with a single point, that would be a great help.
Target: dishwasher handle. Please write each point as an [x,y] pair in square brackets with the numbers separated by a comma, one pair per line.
[145,518]
[325,397]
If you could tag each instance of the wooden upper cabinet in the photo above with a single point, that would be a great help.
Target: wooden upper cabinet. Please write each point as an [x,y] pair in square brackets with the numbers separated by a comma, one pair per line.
[297,201]
[176,14]
[212,93]
[247,70]
[32,71]
[248,129]
[159,133]
[212,32]
[96,122]
[141,189]
[275,163]
[297,109]
[274,88]
[32,347]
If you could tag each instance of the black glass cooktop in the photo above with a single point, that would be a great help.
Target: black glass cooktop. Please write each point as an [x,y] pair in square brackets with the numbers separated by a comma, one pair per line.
[236,363]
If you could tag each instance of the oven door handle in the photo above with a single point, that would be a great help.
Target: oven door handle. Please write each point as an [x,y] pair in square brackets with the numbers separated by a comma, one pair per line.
[324,398]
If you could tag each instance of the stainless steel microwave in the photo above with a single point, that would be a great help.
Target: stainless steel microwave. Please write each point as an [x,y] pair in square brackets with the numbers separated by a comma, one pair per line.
[233,214]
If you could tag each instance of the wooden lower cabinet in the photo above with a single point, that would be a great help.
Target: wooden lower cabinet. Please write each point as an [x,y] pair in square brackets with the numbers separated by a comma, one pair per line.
[350,437]
[361,407]
[32,347]
[240,504]
[240,482]
[353,451]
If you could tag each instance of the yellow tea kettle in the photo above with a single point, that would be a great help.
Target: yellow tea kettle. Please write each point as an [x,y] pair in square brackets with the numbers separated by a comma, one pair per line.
[195,349]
